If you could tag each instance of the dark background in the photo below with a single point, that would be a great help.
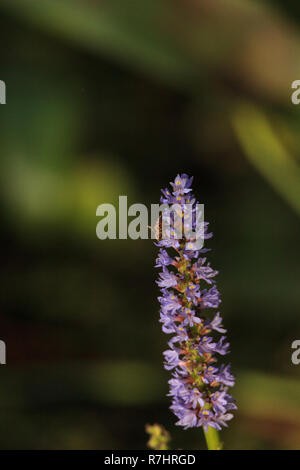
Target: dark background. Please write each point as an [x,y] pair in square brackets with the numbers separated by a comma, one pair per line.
[116,97]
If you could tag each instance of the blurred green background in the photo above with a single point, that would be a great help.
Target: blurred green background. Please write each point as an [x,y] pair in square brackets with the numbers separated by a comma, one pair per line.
[116,97]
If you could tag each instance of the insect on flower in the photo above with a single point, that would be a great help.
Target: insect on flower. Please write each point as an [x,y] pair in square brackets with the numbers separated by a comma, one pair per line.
[157,229]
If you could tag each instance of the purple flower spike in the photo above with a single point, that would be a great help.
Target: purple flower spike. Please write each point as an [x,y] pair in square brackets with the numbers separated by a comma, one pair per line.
[198,387]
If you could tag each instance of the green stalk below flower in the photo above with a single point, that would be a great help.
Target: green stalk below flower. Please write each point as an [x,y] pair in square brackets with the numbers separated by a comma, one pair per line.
[212,439]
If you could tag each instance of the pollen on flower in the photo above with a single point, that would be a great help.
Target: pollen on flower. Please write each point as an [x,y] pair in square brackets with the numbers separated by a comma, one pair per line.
[198,390]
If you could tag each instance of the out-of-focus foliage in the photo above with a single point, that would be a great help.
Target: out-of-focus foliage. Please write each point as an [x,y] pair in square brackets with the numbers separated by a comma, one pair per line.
[159,437]
[112,97]
[268,155]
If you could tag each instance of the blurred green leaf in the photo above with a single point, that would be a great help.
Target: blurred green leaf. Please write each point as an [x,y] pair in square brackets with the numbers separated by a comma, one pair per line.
[268,396]
[267,153]
[132,32]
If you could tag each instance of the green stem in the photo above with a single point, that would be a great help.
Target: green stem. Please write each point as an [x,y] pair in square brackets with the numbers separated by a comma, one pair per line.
[212,439]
